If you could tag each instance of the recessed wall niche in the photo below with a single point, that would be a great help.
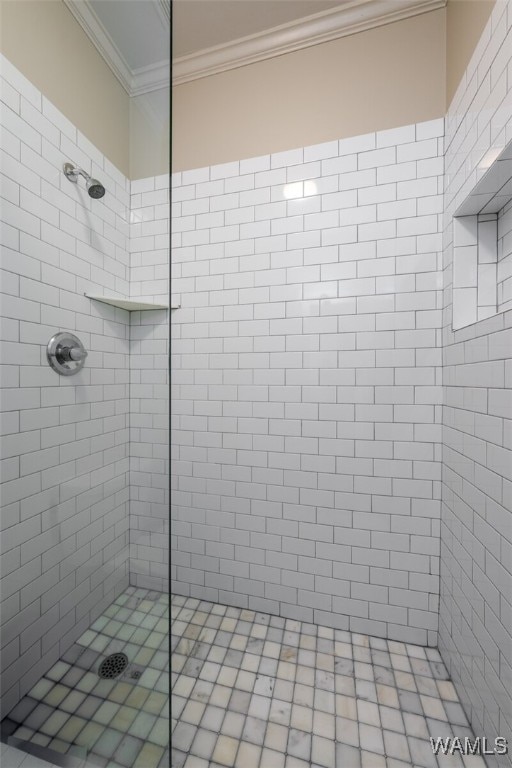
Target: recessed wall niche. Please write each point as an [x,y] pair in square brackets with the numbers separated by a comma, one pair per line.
[482,246]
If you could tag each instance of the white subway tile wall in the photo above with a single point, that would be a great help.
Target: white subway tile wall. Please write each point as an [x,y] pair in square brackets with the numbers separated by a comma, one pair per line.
[504,276]
[69,470]
[474,268]
[476,533]
[306,408]
[149,393]
[65,462]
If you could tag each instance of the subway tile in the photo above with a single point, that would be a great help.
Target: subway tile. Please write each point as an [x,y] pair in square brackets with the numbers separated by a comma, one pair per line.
[328,264]
[58,212]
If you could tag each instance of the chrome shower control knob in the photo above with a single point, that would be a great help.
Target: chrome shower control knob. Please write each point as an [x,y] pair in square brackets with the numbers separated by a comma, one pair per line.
[66,353]
[71,353]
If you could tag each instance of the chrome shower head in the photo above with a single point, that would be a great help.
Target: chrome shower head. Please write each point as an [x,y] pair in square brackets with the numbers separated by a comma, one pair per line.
[94,187]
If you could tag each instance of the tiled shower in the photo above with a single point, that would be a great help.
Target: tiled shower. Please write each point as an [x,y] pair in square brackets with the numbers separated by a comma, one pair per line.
[340,476]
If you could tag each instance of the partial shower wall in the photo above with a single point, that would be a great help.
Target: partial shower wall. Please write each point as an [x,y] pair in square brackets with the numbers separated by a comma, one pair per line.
[504,271]
[64,440]
[306,382]
[149,394]
[476,532]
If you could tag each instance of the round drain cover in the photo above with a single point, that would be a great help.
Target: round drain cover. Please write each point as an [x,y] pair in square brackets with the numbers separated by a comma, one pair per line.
[113,665]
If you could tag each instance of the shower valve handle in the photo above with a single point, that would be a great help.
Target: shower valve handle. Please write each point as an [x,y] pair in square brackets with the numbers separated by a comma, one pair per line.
[71,353]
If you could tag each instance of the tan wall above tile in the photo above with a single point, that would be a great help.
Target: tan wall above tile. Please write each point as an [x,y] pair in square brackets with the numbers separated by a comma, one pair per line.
[381,78]
[389,76]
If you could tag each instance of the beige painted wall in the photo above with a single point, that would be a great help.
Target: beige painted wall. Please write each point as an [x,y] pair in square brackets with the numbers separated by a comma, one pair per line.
[382,78]
[43,40]
[149,134]
[465,22]
[389,76]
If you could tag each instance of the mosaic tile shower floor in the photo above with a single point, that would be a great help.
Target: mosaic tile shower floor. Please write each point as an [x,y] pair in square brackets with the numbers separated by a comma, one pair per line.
[123,722]
[257,691]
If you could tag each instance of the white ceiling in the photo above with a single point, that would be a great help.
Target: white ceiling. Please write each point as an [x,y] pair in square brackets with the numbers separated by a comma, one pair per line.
[138,29]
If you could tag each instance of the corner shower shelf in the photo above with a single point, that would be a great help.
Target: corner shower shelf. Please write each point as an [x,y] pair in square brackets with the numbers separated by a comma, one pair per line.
[132,305]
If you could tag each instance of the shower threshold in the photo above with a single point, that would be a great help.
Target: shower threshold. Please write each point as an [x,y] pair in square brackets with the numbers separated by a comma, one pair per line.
[75,758]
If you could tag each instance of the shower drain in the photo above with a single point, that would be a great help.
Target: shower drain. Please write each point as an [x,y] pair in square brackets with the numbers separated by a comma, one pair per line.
[113,665]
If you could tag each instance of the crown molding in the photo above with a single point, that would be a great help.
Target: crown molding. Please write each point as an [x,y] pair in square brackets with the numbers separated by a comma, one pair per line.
[135,82]
[151,78]
[354,16]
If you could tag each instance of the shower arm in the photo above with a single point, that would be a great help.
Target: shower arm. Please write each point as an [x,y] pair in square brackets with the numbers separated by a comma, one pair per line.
[73,173]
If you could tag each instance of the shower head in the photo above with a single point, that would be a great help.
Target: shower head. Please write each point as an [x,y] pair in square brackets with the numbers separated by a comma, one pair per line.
[94,187]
